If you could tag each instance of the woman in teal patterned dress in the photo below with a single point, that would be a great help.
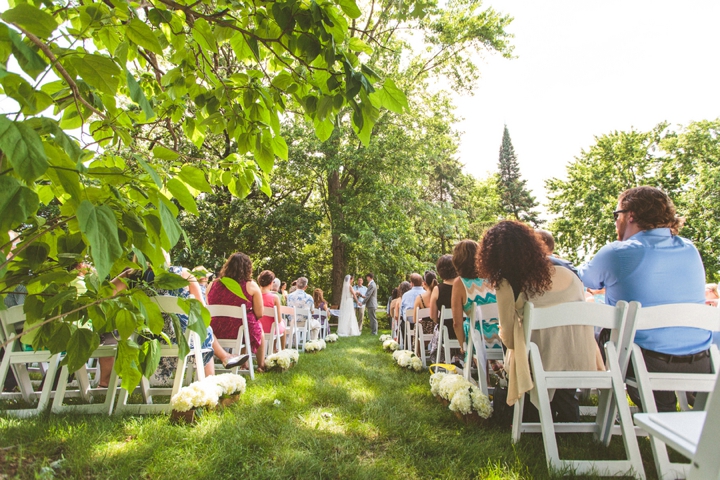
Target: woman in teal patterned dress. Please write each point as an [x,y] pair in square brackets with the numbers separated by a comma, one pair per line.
[470,292]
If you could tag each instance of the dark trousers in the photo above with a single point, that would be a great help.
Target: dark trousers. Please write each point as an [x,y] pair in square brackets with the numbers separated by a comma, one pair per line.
[665,401]
[565,407]
[373,320]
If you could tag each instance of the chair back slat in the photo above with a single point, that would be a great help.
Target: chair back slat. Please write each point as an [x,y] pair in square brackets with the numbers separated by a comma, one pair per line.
[232,311]
[696,315]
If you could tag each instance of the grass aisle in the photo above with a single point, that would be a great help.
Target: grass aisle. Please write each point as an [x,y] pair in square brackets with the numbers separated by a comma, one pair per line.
[346,412]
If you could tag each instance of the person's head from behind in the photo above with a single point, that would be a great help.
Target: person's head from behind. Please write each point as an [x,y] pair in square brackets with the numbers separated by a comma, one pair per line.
[266,278]
[416,280]
[302,283]
[430,280]
[369,277]
[512,251]
[404,288]
[283,286]
[547,239]
[445,268]
[395,293]
[463,258]
[238,267]
[318,297]
[644,208]
[275,285]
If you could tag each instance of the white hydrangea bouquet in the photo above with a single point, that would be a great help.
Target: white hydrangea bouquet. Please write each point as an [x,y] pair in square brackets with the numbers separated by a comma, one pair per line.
[206,394]
[385,337]
[462,397]
[407,359]
[390,345]
[331,338]
[315,345]
[282,360]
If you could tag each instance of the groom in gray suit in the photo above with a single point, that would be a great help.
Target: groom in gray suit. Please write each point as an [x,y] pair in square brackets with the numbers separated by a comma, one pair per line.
[370,302]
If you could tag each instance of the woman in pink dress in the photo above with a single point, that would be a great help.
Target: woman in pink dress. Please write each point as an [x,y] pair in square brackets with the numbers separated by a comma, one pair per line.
[239,268]
[270,299]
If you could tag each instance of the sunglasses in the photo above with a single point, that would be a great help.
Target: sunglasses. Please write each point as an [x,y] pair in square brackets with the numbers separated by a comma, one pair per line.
[617,213]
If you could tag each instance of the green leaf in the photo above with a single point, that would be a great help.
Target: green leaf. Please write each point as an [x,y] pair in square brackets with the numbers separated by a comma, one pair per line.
[17,202]
[324,128]
[138,32]
[198,317]
[181,193]
[81,345]
[264,152]
[127,364]
[280,147]
[203,35]
[29,61]
[391,97]
[138,96]
[100,228]
[171,227]
[24,149]
[152,357]
[358,45]
[151,171]
[165,154]
[31,19]
[125,322]
[350,8]
[98,71]
[234,287]
[151,312]
[194,177]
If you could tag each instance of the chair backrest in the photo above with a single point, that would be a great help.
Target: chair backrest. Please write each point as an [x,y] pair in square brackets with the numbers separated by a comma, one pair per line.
[421,313]
[575,313]
[305,314]
[489,311]
[409,315]
[287,313]
[11,321]
[228,311]
[445,314]
[169,304]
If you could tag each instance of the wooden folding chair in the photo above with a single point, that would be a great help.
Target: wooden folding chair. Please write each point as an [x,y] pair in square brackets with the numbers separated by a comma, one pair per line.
[608,383]
[420,336]
[694,434]
[239,344]
[672,315]
[11,323]
[167,304]
[478,347]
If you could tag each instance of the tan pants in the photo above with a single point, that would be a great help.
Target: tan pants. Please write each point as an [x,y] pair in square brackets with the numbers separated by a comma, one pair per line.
[360,314]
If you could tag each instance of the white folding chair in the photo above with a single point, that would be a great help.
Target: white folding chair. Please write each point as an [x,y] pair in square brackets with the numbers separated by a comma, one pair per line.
[302,327]
[672,315]
[409,324]
[694,434]
[481,352]
[272,338]
[445,343]
[241,343]
[287,315]
[324,325]
[608,383]
[11,323]
[167,304]
[85,390]
[420,336]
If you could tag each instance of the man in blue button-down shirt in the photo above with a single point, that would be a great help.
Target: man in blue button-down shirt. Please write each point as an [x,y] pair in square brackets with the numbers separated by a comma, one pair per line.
[652,265]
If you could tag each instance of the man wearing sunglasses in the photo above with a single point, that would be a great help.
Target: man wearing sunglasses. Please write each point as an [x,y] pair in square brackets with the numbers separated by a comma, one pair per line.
[651,264]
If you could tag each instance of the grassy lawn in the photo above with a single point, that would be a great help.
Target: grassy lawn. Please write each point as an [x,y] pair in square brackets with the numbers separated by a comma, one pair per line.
[346,412]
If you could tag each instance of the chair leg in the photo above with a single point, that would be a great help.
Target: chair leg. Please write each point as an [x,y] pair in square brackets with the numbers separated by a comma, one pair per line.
[517,419]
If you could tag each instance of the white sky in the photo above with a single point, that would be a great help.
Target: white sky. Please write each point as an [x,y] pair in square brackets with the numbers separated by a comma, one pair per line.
[586,68]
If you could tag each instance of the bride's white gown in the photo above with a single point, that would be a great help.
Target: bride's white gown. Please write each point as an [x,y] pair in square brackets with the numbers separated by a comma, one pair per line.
[347,322]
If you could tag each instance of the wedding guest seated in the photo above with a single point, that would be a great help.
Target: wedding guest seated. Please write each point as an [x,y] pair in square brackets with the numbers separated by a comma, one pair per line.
[549,241]
[270,299]
[300,299]
[408,302]
[320,304]
[276,290]
[423,301]
[441,297]
[711,294]
[515,263]
[403,288]
[238,267]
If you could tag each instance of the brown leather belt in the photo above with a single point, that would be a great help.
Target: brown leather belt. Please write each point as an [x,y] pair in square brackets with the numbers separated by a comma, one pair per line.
[664,357]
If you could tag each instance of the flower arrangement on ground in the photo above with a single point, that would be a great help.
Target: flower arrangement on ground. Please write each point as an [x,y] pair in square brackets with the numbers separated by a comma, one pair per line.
[332,338]
[282,360]
[390,345]
[206,394]
[315,345]
[408,359]
[385,337]
[461,396]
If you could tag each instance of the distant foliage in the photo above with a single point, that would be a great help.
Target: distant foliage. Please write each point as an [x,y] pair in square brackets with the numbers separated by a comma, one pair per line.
[516,200]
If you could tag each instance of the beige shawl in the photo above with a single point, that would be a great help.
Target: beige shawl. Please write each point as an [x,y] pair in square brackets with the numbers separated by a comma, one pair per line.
[561,348]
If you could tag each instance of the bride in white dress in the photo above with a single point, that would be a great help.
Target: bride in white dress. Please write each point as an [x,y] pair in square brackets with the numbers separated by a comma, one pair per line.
[347,323]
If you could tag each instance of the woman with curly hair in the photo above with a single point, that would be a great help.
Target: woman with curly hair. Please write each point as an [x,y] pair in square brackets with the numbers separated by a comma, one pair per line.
[238,267]
[513,260]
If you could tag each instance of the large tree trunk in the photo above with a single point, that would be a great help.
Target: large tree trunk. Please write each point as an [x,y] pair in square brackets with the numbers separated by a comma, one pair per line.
[339,248]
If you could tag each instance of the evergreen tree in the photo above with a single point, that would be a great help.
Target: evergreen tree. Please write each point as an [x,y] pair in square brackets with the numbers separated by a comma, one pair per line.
[516,199]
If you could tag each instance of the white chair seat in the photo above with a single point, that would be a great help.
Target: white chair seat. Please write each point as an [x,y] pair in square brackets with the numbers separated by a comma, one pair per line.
[679,430]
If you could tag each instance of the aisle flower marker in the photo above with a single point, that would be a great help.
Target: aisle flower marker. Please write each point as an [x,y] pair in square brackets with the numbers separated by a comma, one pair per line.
[282,360]
[385,337]
[390,345]
[314,346]
[462,397]
[213,391]
[332,338]
[407,359]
